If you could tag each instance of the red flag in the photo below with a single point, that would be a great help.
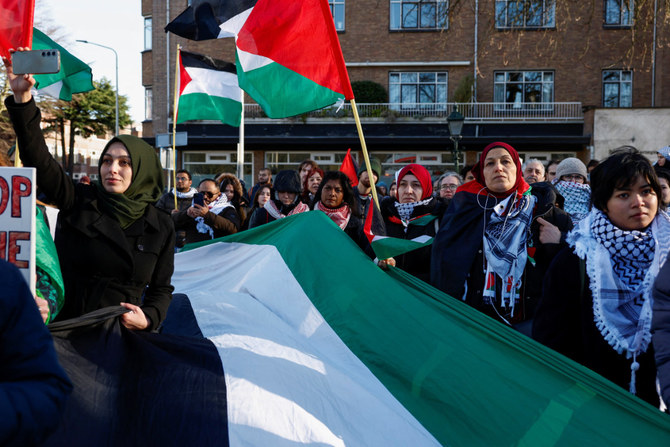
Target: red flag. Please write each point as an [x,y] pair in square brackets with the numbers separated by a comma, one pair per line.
[349,167]
[367,226]
[16,24]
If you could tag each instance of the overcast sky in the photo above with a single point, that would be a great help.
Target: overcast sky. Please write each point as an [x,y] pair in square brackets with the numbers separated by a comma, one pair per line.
[113,23]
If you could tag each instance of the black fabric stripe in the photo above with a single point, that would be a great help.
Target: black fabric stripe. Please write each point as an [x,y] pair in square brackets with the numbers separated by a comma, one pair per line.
[196,60]
[202,19]
[133,388]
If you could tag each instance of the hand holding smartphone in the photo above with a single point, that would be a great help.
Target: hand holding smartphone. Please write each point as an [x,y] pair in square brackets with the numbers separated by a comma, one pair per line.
[199,199]
[36,62]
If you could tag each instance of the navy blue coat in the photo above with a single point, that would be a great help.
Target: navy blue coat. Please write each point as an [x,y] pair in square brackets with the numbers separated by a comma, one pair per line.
[660,328]
[33,386]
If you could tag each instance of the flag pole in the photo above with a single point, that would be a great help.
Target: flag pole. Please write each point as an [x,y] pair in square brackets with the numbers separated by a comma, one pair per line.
[240,143]
[17,162]
[365,151]
[174,126]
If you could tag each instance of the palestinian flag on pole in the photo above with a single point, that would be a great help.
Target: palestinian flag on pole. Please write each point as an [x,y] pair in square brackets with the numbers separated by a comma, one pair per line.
[74,75]
[348,166]
[16,24]
[208,90]
[211,19]
[305,349]
[387,247]
[289,58]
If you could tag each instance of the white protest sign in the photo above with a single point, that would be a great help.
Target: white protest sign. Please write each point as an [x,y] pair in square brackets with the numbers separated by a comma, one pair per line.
[17,220]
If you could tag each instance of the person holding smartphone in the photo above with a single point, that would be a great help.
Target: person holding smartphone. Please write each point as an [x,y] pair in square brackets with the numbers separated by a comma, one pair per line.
[209,217]
[115,248]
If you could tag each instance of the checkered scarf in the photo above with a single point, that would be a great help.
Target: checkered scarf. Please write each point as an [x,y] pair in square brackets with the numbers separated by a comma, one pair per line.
[621,288]
[215,207]
[577,199]
[339,215]
[505,238]
[405,210]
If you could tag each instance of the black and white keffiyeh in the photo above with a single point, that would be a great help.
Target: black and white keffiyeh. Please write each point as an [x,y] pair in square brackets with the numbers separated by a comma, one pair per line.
[405,210]
[505,239]
[577,199]
[622,266]
[185,195]
[215,207]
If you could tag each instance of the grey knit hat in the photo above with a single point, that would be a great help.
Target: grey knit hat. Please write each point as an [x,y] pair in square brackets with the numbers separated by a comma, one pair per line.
[571,165]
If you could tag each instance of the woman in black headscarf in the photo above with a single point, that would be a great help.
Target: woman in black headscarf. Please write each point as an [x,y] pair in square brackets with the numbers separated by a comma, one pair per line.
[114,247]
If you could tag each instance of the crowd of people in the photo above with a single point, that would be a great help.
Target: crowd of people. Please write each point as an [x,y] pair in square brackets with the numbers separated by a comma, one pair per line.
[570,254]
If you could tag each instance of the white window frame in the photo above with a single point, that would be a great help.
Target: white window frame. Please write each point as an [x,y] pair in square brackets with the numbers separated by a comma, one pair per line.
[401,10]
[625,78]
[216,162]
[148,103]
[337,9]
[624,10]
[520,103]
[402,82]
[516,14]
[327,160]
[148,29]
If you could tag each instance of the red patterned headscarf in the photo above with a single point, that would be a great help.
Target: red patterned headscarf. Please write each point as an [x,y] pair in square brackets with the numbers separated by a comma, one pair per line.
[422,175]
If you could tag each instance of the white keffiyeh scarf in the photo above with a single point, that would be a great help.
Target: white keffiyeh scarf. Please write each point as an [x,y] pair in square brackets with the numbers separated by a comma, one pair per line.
[184,195]
[622,266]
[215,207]
[405,210]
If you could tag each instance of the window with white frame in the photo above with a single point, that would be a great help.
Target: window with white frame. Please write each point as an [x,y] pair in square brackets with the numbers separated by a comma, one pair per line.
[437,163]
[147,33]
[619,13]
[525,14]
[523,89]
[148,103]
[617,88]
[418,90]
[419,14]
[209,164]
[337,9]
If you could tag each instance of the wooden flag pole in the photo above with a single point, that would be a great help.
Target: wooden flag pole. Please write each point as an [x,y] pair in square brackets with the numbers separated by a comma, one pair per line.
[17,162]
[365,152]
[174,126]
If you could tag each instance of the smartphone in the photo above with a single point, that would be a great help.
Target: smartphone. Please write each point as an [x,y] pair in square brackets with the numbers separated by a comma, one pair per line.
[36,62]
[199,199]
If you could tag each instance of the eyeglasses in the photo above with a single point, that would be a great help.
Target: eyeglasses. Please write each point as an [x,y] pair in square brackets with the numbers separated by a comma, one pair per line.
[182,179]
[209,194]
[573,178]
[449,187]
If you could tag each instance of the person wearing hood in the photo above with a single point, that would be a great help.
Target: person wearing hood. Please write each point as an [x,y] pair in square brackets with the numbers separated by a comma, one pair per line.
[115,248]
[412,215]
[215,218]
[663,155]
[480,252]
[285,203]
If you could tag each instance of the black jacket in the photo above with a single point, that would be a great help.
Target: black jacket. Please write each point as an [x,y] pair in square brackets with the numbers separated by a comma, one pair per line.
[102,264]
[660,328]
[564,322]
[166,202]
[416,262]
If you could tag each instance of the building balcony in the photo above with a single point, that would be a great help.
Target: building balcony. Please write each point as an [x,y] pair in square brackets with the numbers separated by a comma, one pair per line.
[482,112]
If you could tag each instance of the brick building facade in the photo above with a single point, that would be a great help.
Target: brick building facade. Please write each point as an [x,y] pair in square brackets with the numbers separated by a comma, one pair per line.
[534,73]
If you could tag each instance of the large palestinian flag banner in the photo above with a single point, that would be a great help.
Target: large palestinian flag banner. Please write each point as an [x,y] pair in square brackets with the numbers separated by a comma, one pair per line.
[284,346]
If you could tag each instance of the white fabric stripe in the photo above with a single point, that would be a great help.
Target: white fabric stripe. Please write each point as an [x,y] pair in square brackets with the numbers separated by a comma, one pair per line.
[250,61]
[52,90]
[290,379]
[231,27]
[212,82]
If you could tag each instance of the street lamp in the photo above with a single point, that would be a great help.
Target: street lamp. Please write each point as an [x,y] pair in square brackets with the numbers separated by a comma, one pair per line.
[455,122]
[116,125]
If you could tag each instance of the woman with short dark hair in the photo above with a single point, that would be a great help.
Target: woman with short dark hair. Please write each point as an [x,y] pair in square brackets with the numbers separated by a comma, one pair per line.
[596,305]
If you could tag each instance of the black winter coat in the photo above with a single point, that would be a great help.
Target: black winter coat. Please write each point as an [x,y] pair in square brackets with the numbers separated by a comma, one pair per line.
[166,203]
[660,328]
[564,322]
[102,263]
[415,262]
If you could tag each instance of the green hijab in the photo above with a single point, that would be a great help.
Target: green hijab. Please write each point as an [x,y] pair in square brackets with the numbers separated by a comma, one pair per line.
[145,188]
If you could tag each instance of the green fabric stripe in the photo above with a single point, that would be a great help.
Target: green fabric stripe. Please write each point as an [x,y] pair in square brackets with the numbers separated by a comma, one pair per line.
[201,106]
[47,257]
[282,92]
[467,378]
[74,73]
[391,246]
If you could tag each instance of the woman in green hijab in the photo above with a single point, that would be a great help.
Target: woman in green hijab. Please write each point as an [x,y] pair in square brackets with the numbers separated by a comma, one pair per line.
[114,247]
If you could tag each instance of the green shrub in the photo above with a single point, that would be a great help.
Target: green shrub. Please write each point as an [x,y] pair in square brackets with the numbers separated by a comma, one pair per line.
[369,92]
